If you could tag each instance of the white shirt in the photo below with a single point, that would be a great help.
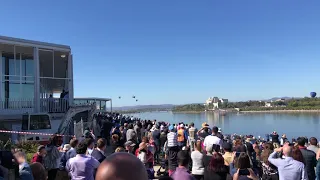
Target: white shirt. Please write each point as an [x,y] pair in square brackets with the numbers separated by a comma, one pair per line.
[211,140]
[197,165]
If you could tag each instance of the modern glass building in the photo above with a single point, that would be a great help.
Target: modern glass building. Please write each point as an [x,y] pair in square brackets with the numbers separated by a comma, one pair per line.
[33,75]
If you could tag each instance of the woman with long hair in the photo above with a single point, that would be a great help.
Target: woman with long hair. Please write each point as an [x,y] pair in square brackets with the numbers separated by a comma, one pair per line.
[241,167]
[269,171]
[297,155]
[197,162]
[51,159]
[216,170]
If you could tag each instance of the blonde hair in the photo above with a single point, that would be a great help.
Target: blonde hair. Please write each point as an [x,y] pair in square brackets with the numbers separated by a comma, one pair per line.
[119,149]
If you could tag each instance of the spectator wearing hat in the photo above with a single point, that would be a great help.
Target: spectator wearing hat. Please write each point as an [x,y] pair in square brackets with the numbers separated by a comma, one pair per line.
[129,145]
[172,150]
[38,157]
[204,131]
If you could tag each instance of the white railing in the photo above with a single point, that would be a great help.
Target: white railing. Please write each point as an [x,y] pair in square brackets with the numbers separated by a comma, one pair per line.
[16,105]
[54,105]
[48,105]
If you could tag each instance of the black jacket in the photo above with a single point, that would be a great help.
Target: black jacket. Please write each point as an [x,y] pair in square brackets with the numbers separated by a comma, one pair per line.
[311,162]
[98,155]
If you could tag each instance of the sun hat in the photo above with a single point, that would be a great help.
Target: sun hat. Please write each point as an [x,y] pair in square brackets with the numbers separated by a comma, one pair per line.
[171,127]
[129,143]
[204,125]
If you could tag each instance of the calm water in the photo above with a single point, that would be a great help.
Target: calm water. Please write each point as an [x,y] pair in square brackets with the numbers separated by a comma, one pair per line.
[292,124]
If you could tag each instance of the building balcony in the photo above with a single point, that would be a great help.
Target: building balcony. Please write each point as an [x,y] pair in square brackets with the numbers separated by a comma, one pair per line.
[49,105]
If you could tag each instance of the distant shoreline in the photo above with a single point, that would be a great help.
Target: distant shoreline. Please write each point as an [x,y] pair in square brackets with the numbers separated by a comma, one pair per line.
[282,111]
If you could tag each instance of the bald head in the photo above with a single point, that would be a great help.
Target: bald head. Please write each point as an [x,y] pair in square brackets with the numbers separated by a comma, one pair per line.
[287,150]
[121,166]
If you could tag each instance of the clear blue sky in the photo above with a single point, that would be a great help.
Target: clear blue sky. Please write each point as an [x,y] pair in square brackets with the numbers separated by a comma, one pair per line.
[178,51]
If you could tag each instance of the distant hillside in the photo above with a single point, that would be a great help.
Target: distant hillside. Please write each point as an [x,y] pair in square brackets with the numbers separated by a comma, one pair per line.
[144,107]
[285,98]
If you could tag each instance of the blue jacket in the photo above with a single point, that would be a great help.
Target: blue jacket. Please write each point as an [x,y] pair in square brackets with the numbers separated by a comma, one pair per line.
[25,172]
[98,155]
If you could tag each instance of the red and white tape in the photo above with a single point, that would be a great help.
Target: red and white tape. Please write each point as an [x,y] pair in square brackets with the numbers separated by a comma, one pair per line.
[33,133]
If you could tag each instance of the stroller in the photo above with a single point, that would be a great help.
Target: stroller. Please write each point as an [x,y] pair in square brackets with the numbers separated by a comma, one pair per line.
[163,166]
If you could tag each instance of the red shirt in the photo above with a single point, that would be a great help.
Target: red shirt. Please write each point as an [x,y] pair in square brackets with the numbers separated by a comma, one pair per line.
[37,158]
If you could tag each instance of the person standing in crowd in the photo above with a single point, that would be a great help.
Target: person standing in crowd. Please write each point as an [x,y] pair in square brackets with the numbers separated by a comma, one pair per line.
[124,166]
[172,150]
[90,144]
[214,141]
[72,152]
[227,156]
[82,166]
[156,138]
[39,156]
[38,171]
[309,158]
[313,145]
[288,168]
[52,159]
[192,137]
[131,134]
[106,130]
[25,172]
[275,139]
[129,145]
[137,130]
[63,160]
[197,162]
[204,131]
[163,138]
[182,136]
[99,152]
[182,172]
[283,140]
[216,170]
[269,171]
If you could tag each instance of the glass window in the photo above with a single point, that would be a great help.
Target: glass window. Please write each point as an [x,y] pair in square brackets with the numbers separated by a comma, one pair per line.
[39,122]
[14,90]
[25,122]
[27,90]
[46,63]
[60,64]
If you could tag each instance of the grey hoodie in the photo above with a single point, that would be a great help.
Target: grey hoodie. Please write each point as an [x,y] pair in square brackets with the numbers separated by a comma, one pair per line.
[51,159]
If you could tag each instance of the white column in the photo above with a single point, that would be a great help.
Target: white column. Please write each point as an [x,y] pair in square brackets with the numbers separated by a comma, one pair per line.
[36,80]
[1,78]
[70,76]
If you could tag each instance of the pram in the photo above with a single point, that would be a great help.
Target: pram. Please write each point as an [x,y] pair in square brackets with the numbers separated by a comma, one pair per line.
[163,166]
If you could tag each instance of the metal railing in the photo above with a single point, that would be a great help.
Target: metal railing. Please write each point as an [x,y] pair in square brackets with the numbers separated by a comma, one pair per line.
[54,105]
[16,105]
[48,105]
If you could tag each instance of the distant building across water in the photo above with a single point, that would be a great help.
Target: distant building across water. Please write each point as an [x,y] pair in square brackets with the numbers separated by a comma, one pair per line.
[213,102]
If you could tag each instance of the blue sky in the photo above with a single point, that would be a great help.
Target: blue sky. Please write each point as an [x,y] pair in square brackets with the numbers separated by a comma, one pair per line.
[178,51]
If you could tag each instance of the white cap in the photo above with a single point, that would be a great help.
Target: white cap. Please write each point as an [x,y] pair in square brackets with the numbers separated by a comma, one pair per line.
[181,126]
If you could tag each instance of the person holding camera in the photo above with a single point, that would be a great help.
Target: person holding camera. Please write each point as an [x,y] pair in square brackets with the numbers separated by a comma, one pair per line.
[288,168]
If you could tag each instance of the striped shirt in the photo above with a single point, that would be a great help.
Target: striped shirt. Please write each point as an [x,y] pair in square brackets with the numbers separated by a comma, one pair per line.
[172,139]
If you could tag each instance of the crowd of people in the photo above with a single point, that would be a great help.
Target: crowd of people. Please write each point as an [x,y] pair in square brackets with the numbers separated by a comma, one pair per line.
[130,148]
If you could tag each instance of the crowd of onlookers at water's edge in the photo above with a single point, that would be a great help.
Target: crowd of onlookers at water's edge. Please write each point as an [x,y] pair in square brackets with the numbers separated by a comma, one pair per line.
[135,149]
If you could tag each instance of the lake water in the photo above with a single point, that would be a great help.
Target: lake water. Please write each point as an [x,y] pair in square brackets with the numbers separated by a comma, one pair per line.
[291,124]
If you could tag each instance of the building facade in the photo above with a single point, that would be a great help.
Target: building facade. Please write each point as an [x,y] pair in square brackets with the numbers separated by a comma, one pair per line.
[33,74]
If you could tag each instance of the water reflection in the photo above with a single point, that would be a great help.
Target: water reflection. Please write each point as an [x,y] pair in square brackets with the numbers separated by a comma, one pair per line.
[292,124]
